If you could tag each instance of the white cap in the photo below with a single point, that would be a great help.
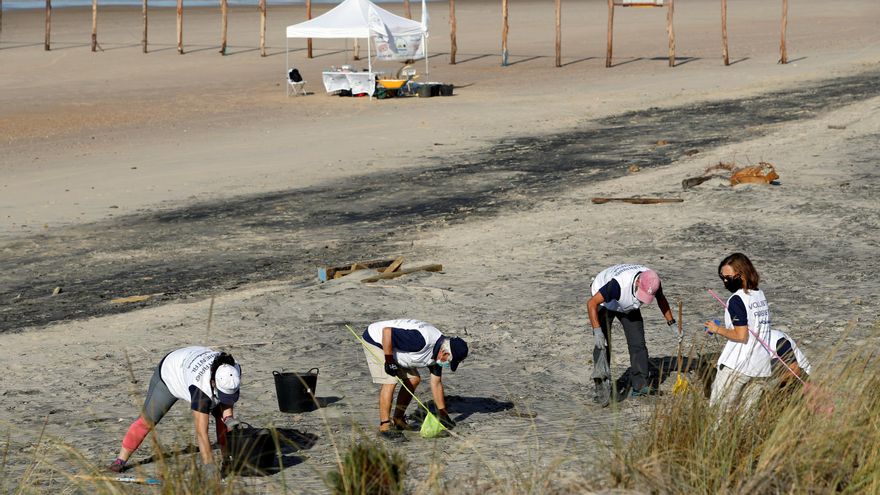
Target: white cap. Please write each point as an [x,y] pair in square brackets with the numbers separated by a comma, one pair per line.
[228,380]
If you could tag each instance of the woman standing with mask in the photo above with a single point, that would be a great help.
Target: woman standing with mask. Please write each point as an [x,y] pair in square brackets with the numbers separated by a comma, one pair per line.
[744,364]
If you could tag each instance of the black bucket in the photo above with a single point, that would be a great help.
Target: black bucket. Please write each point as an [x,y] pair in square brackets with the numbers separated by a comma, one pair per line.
[445,90]
[296,391]
[424,90]
[251,450]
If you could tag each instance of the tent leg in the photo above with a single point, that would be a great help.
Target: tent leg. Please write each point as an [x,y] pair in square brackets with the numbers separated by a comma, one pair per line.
[287,62]
[370,65]
[425,42]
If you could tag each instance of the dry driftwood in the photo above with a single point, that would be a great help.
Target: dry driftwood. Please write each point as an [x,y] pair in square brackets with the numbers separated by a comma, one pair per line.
[399,273]
[762,173]
[638,201]
[329,272]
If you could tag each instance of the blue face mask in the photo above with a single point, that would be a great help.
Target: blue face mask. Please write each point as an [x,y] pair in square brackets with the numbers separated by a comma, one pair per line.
[444,364]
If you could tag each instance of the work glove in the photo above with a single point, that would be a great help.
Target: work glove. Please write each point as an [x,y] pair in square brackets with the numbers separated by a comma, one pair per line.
[391,367]
[445,420]
[232,423]
[599,337]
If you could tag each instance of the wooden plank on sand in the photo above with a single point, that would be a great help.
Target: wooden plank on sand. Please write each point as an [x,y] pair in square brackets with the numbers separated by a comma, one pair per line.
[638,201]
[326,273]
[384,276]
[395,265]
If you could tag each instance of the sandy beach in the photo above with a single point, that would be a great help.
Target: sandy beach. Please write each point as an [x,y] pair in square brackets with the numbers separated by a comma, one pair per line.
[187,177]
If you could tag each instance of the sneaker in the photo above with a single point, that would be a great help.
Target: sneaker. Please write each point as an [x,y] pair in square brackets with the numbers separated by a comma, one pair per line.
[400,424]
[392,435]
[116,466]
[644,391]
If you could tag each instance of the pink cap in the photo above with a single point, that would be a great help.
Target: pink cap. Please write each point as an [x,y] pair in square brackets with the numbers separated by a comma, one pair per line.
[647,286]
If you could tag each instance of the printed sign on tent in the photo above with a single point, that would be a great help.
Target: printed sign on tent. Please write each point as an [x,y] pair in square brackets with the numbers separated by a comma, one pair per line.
[405,47]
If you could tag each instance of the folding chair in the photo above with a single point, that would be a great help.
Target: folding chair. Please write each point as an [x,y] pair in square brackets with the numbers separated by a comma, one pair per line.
[295,83]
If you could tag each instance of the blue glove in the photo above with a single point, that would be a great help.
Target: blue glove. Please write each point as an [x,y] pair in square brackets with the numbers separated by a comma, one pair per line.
[599,338]
[706,329]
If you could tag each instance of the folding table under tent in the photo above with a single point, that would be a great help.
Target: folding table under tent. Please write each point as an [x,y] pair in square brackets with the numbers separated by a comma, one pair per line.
[361,19]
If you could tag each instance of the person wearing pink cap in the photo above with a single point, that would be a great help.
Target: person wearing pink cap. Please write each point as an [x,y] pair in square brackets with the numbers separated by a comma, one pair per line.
[619,292]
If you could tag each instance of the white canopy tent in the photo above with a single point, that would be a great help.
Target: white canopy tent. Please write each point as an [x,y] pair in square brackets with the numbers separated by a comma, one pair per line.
[361,19]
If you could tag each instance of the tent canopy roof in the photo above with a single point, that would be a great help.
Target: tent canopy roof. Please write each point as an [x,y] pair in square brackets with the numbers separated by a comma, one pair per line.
[351,19]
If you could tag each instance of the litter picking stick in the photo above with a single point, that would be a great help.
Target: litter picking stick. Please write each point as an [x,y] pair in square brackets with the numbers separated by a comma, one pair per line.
[120,479]
[681,385]
[767,347]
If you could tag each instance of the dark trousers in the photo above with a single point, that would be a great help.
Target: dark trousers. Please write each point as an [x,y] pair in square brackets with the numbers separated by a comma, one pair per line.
[634,331]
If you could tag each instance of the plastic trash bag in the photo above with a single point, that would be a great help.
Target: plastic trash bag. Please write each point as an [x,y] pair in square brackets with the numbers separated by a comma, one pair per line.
[601,377]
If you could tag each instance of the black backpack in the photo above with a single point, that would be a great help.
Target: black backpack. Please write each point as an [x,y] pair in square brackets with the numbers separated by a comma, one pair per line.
[294,75]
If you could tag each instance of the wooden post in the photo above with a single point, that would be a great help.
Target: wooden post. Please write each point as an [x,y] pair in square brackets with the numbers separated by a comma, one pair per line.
[180,27]
[224,24]
[356,50]
[262,28]
[48,24]
[783,52]
[724,54]
[671,30]
[309,40]
[94,25]
[406,8]
[610,33]
[558,33]
[504,28]
[1,16]
[144,39]
[453,46]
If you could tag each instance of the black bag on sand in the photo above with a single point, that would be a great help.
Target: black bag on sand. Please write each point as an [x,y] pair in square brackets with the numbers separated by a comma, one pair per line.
[251,450]
[294,75]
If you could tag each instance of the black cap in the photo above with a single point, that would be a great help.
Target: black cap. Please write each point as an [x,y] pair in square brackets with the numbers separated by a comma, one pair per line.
[459,350]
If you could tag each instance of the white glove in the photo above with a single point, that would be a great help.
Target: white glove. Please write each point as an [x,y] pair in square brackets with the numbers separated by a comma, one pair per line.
[599,337]
[232,423]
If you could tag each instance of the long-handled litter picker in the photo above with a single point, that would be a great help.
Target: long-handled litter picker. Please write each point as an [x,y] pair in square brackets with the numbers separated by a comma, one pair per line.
[120,479]
[681,384]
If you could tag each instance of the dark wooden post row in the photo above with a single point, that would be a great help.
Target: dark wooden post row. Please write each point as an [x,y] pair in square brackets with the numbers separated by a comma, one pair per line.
[180,27]
[558,33]
[453,46]
[724,53]
[783,52]
[48,25]
[504,29]
[671,30]
[94,25]
[224,24]
[262,28]
[610,40]
[309,16]
[144,38]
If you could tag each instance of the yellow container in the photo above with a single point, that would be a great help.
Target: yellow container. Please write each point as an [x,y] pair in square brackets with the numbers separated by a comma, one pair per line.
[392,83]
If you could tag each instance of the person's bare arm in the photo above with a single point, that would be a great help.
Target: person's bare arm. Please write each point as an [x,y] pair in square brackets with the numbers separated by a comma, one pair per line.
[437,392]
[593,309]
[739,334]
[663,304]
[201,423]
[387,348]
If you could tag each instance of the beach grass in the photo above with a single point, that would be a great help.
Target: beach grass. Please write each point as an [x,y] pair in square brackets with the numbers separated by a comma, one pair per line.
[822,438]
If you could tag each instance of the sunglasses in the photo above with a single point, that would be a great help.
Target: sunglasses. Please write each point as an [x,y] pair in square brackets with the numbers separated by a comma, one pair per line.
[728,278]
